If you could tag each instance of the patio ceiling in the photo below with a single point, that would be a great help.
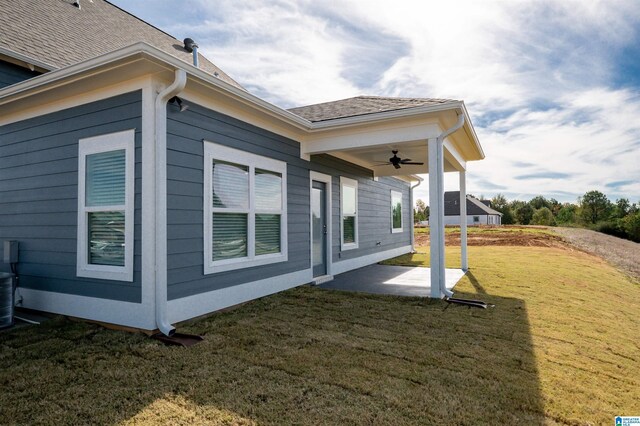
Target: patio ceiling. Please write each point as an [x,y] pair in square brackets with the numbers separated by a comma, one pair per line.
[371,157]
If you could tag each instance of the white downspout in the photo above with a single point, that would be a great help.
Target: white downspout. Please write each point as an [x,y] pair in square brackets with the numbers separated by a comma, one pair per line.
[160,212]
[413,217]
[440,165]
[464,259]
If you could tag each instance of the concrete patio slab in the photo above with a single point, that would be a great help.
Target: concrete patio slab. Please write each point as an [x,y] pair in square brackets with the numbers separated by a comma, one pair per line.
[394,280]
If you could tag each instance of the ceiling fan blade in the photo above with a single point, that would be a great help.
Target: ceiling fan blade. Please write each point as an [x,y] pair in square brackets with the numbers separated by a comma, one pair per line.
[397,166]
[405,160]
[413,163]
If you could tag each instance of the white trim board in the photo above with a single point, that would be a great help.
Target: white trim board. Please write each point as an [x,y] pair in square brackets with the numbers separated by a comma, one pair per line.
[128,314]
[351,183]
[204,303]
[77,100]
[359,262]
[327,179]
[124,140]
[214,151]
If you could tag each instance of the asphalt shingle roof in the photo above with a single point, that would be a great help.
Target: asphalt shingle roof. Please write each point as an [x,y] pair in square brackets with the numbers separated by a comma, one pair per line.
[361,105]
[474,206]
[57,33]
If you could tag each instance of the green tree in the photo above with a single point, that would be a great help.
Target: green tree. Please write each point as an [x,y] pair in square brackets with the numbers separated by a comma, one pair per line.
[500,203]
[539,202]
[567,213]
[421,211]
[524,214]
[554,206]
[631,225]
[594,206]
[621,208]
[543,216]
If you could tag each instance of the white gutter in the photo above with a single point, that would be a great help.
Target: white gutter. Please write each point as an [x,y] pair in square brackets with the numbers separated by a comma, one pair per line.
[413,216]
[442,283]
[160,213]
[26,59]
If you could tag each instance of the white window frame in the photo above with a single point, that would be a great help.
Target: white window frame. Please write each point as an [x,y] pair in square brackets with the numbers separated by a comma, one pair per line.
[219,152]
[94,145]
[397,194]
[344,181]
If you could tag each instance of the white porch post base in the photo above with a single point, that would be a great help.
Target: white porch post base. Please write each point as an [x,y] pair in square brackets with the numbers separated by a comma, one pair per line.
[464,260]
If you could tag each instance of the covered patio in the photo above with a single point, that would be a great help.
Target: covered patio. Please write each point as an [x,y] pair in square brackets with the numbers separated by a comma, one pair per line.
[429,136]
[414,281]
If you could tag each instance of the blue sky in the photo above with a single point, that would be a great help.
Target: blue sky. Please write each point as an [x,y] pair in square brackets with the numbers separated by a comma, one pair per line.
[553,87]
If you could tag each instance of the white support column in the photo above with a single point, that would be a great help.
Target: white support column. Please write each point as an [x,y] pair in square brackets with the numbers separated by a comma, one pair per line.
[464,260]
[436,216]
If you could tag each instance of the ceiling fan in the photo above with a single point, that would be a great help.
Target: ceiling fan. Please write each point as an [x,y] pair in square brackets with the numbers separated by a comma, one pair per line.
[397,161]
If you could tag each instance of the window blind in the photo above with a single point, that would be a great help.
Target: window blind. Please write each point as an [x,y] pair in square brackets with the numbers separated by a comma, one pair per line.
[229,235]
[106,238]
[230,185]
[267,233]
[105,178]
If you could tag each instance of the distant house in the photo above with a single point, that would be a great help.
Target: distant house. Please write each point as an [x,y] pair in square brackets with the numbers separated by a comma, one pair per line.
[144,186]
[479,212]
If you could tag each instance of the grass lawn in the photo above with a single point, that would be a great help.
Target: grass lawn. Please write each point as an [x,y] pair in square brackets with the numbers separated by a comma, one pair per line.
[561,346]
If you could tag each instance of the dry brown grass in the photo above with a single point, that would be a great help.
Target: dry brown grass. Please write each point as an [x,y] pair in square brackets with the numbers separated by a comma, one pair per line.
[561,346]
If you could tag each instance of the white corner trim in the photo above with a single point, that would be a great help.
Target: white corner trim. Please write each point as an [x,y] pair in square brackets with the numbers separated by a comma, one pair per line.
[128,314]
[321,177]
[199,304]
[213,151]
[148,242]
[345,181]
[359,262]
[124,140]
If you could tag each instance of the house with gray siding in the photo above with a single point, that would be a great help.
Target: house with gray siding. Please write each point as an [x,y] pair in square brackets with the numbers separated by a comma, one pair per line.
[479,212]
[145,188]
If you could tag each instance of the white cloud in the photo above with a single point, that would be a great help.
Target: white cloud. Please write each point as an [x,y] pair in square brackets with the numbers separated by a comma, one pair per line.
[542,79]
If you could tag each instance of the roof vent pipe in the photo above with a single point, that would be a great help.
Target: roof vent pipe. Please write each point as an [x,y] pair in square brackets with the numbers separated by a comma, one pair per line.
[192,47]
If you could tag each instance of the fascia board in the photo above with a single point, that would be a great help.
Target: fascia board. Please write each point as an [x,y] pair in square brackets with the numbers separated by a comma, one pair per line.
[471,132]
[26,59]
[68,73]
[168,62]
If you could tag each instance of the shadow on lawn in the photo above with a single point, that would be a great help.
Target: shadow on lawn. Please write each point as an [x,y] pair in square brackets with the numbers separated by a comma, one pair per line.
[475,283]
[304,356]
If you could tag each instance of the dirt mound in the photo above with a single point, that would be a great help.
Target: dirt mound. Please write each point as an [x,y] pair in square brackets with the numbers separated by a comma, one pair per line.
[496,237]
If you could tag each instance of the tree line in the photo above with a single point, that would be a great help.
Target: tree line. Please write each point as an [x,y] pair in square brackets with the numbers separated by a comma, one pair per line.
[593,210]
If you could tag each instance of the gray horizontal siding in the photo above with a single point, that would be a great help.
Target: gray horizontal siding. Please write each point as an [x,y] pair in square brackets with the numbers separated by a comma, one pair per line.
[39,190]
[374,208]
[185,132]
[11,74]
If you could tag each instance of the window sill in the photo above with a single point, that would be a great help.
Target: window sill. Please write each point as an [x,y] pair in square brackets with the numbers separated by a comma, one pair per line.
[396,230]
[243,263]
[349,246]
[105,273]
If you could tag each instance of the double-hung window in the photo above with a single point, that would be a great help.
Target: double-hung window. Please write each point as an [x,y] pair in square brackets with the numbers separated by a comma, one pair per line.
[349,213]
[105,206]
[396,211]
[245,209]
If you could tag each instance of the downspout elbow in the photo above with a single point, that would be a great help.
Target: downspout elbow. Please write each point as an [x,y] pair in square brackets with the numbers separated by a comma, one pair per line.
[179,83]
[459,123]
